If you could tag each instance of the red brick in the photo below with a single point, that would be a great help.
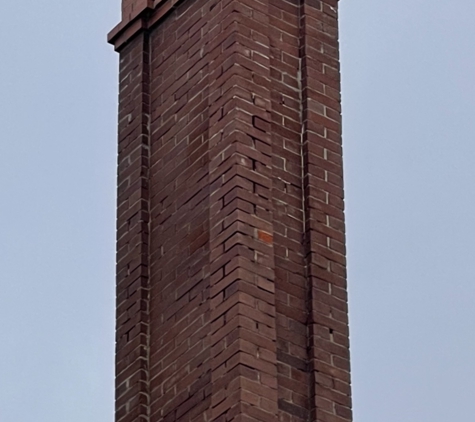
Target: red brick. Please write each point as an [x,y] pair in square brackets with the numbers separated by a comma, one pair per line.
[230,233]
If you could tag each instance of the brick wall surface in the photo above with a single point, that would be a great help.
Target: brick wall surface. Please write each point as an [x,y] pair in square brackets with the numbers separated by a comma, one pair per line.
[231,282]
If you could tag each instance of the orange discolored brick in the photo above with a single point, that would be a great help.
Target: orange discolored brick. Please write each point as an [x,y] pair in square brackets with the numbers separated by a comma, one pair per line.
[265,237]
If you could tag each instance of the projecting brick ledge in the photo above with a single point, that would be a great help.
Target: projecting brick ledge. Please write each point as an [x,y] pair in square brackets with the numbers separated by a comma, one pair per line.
[139,15]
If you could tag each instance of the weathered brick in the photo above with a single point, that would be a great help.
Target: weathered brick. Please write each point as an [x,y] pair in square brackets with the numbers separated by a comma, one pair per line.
[231,269]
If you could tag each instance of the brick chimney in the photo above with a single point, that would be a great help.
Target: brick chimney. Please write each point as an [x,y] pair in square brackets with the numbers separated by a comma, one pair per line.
[231,280]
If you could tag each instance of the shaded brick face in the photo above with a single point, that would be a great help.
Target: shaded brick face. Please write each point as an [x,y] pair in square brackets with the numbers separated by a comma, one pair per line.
[231,282]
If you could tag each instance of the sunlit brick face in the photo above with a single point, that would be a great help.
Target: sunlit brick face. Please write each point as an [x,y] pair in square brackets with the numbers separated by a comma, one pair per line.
[231,281]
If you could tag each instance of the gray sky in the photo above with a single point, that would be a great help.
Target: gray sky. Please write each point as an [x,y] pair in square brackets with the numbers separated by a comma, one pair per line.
[409,98]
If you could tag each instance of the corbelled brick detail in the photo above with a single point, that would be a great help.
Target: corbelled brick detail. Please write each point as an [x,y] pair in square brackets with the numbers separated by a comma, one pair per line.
[231,282]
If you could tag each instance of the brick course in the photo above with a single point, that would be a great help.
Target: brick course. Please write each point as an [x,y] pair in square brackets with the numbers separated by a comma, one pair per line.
[231,282]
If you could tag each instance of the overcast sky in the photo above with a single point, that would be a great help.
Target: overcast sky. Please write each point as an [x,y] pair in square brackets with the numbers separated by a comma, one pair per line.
[409,130]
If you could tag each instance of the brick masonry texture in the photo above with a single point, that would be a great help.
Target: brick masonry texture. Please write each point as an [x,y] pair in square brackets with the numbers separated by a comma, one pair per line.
[231,280]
